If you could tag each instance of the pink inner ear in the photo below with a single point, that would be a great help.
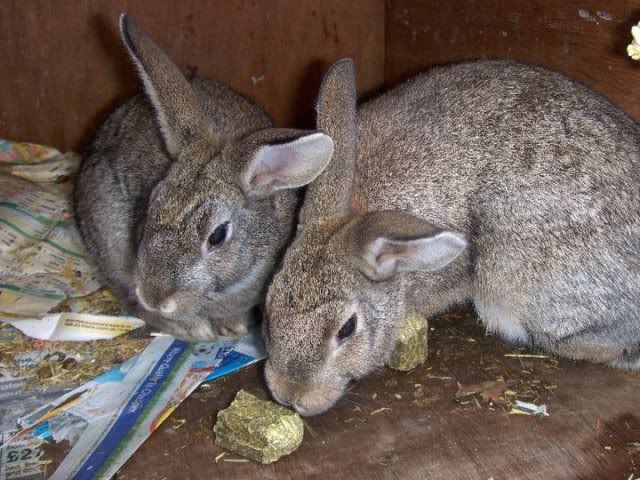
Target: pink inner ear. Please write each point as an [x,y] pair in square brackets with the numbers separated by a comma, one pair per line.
[272,162]
[395,250]
[393,253]
[261,179]
[385,258]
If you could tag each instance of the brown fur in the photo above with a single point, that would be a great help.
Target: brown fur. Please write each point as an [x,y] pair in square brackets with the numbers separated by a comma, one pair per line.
[164,171]
[502,184]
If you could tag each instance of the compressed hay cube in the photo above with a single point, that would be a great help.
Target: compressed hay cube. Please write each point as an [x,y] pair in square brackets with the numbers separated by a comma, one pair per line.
[411,349]
[258,429]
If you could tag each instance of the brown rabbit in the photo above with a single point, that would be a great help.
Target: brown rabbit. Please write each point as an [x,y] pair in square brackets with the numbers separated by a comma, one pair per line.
[502,184]
[185,199]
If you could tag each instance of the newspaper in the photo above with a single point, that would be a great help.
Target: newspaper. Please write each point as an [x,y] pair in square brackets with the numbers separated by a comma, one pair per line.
[48,291]
[43,264]
[107,419]
[33,372]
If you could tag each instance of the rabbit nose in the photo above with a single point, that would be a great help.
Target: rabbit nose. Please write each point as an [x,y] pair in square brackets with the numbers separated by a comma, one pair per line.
[275,387]
[279,399]
[168,306]
[300,409]
[141,300]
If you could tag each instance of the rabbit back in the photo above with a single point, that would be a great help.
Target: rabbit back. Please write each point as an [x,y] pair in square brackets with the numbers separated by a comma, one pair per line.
[541,174]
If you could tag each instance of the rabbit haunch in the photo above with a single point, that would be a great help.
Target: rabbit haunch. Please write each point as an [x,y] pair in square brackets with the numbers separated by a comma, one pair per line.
[491,182]
[185,199]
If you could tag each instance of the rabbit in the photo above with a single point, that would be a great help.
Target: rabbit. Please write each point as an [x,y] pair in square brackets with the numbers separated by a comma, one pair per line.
[494,183]
[187,197]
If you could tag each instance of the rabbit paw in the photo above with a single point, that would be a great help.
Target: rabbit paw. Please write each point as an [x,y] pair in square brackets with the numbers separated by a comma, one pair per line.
[234,327]
[235,330]
[198,330]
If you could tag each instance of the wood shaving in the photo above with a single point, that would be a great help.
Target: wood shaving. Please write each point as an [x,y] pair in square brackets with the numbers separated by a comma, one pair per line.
[375,412]
[65,364]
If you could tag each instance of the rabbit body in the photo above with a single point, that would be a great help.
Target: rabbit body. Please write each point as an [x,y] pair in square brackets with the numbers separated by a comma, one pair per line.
[184,200]
[125,162]
[491,182]
[541,175]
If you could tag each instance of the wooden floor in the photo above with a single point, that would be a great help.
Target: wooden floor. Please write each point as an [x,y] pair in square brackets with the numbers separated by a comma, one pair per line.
[423,425]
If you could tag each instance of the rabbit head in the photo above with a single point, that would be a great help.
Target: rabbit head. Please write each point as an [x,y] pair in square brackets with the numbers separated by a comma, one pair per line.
[334,309]
[217,222]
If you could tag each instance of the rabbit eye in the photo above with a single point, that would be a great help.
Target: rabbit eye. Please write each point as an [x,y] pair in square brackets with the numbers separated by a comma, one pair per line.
[218,236]
[348,328]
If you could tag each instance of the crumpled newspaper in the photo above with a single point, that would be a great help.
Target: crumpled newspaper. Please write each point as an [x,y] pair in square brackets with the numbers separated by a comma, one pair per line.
[106,419]
[48,288]
[48,291]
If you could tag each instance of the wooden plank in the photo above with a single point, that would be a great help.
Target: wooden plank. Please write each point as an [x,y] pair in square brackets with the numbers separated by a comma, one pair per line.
[64,67]
[426,432]
[585,39]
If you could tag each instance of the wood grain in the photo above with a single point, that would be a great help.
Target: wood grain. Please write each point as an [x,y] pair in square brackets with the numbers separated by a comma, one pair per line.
[64,67]
[585,39]
[594,419]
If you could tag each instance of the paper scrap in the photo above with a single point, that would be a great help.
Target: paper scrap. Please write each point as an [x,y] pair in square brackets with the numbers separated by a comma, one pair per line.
[526,408]
[108,418]
[48,287]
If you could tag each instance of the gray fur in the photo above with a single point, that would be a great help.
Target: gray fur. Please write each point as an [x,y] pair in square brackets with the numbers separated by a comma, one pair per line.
[537,173]
[162,172]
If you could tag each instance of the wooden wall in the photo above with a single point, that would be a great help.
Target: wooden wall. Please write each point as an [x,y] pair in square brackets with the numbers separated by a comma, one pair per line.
[585,39]
[63,67]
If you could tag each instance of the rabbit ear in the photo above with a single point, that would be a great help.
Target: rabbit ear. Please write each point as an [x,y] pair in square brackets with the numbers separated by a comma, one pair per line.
[289,164]
[389,242]
[172,97]
[330,195]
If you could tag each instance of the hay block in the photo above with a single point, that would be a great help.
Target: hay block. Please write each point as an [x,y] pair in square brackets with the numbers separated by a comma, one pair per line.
[258,429]
[411,349]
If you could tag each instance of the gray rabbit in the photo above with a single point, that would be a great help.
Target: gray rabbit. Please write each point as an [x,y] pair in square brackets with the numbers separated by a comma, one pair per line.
[492,182]
[186,198]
